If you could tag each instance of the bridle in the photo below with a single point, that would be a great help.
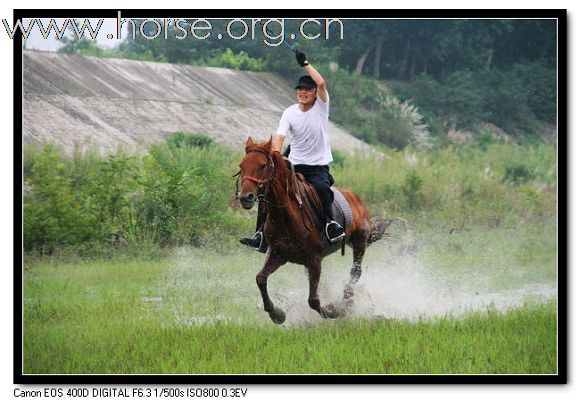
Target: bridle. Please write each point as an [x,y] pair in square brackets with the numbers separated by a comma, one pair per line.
[260,182]
[263,184]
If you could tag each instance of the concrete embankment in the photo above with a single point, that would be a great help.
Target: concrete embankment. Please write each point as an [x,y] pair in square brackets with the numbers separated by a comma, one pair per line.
[111,103]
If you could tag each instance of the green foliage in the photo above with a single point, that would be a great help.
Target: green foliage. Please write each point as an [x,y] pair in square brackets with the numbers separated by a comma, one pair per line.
[484,140]
[411,189]
[339,157]
[353,99]
[502,97]
[177,195]
[81,46]
[516,173]
[107,193]
[183,139]
[540,87]
[55,213]
[236,61]
[491,185]
[361,105]
[184,193]
[173,195]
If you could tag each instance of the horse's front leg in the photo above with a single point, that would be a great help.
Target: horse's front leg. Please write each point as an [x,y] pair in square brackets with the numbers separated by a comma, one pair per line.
[329,311]
[270,266]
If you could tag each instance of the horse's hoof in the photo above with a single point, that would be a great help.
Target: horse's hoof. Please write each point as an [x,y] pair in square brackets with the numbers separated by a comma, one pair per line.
[329,311]
[348,292]
[278,316]
[345,308]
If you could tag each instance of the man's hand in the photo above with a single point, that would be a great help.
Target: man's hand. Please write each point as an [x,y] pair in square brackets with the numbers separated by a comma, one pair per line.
[301,59]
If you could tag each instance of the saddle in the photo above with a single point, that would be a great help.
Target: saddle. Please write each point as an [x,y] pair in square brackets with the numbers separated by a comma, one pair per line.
[340,207]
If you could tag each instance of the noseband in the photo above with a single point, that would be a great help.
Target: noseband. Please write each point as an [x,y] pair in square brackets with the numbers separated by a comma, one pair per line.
[260,182]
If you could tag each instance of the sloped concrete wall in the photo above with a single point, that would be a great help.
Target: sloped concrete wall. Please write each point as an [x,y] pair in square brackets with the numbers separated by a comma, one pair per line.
[113,103]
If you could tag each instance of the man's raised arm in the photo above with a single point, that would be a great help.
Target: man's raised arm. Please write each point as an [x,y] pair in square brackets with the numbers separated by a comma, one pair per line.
[315,75]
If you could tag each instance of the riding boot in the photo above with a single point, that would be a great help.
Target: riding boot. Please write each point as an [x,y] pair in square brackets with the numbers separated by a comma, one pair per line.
[258,242]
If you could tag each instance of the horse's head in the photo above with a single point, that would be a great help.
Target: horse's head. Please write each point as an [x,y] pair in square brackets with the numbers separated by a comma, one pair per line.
[257,170]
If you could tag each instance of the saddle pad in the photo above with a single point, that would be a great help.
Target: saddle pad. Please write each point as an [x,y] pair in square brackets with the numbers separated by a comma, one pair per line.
[341,209]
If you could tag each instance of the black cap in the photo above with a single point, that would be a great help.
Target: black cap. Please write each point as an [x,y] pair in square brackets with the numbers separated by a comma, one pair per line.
[306,82]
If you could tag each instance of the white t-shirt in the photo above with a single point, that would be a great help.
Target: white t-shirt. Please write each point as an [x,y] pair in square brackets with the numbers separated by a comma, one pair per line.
[310,144]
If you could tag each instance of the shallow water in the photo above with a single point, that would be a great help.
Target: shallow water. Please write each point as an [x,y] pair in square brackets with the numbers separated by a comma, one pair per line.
[203,288]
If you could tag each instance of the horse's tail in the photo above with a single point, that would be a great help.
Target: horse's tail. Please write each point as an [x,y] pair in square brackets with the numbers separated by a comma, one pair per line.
[378,228]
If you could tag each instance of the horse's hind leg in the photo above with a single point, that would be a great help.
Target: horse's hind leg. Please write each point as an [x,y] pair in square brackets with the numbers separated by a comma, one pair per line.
[359,246]
[328,311]
[270,266]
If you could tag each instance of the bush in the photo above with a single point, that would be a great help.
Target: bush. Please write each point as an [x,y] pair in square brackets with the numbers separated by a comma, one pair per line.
[183,139]
[484,139]
[539,85]
[173,195]
[516,173]
[236,61]
[180,195]
[370,112]
[184,192]
[339,157]
[55,213]
[411,189]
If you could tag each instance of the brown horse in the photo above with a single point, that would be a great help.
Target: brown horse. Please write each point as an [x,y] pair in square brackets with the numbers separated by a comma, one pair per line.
[289,228]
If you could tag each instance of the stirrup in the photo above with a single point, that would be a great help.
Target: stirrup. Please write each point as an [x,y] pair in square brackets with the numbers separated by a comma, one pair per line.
[338,231]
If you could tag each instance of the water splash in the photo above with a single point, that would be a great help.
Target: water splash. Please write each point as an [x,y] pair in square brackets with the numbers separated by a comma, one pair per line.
[204,287]
[404,289]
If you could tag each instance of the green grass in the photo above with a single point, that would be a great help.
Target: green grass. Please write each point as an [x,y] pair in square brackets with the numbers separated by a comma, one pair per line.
[199,312]
[521,341]
[505,257]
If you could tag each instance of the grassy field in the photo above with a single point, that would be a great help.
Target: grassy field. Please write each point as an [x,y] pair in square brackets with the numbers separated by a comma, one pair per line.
[522,341]
[454,306]
[468,286]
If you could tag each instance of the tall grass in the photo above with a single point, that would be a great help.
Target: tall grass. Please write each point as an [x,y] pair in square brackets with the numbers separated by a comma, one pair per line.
[179,193]
[503,184]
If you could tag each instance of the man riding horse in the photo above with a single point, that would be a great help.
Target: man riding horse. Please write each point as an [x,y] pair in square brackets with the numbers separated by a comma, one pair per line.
[310,150]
